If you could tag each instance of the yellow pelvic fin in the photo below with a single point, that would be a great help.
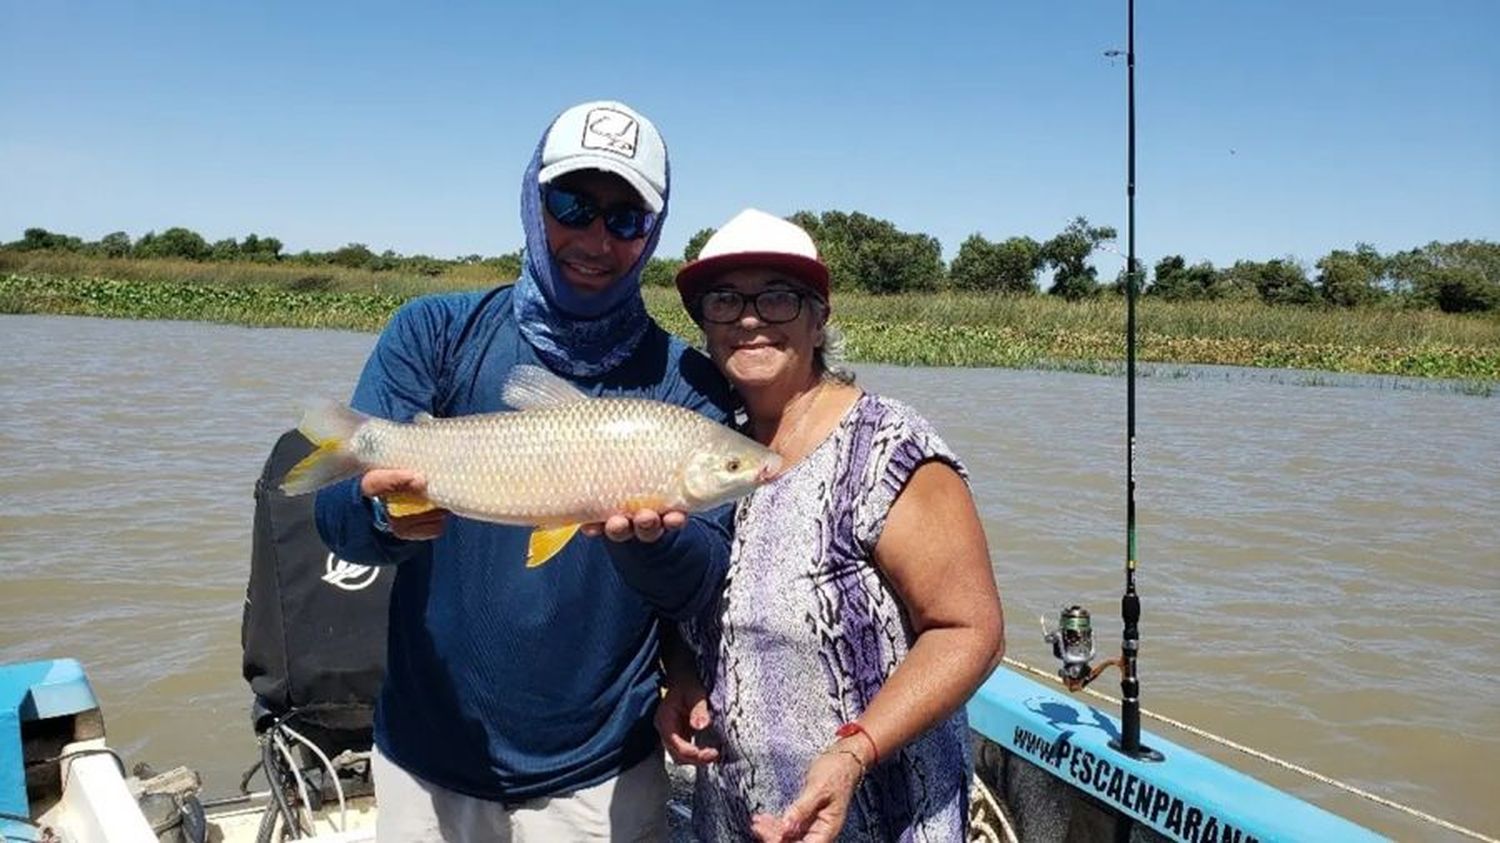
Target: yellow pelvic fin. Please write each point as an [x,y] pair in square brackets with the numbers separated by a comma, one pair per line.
[545,544]
[403,504]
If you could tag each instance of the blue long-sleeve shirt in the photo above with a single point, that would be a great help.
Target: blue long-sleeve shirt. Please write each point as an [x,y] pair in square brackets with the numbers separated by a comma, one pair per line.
[504,682]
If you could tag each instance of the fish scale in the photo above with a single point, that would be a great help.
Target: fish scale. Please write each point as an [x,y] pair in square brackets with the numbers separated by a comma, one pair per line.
[563,458]
[525,465]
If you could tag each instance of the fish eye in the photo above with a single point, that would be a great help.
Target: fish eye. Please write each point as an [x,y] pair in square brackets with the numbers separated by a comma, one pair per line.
[733,465]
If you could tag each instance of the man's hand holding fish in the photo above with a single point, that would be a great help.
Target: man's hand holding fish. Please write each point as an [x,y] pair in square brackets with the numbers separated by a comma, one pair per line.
[646,525]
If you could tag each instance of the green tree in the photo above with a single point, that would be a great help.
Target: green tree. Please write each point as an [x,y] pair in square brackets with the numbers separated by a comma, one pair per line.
[899,265]
[1279,281]
[385,261]
[1375,263]
[34,239]
[227,249]
[1166,278]
[1239,286]
[1458,277]
[1176,281]
[1409,270]
[1009,267]
[1463,290]
[506,266]
[660,272]
[175,242]
[870,254]
[354,256]
[424,265]
[115,244]
[257,248]
[1067,256]
[1351,279]
[695,243]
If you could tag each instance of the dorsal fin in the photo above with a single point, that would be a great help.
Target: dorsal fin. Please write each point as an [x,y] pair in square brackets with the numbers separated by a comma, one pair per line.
[532,387]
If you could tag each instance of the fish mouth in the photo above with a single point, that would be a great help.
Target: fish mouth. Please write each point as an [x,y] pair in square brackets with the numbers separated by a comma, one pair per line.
[769,471]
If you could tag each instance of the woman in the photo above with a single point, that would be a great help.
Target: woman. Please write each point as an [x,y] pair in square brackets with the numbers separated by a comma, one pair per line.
[859,611]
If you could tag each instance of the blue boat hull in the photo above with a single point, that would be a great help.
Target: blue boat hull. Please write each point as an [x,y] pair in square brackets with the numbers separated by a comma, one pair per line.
[1038,744]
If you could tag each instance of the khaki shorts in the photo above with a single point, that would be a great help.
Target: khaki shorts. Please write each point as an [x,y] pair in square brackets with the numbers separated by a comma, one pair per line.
[629,807]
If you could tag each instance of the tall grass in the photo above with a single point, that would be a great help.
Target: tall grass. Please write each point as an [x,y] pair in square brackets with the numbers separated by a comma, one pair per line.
[284,275]
[992,330]
[1212,319]
[948,329]
[951,329]
[258,306]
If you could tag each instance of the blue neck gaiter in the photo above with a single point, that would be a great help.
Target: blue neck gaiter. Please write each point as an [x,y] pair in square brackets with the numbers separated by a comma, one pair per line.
[576,334]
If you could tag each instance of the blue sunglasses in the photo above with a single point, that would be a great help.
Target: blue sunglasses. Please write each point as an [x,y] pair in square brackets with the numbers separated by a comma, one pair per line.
[577,210]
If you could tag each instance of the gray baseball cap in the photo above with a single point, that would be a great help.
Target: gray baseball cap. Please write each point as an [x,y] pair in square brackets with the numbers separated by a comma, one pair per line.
[612,137]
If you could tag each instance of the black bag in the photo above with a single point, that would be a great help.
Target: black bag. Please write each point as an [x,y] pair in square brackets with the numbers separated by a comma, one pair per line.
[314,626]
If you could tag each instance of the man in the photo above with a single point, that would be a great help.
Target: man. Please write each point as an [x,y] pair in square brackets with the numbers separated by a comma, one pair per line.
[518,702]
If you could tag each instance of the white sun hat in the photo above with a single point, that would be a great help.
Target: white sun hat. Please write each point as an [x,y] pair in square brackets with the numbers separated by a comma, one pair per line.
[755,238]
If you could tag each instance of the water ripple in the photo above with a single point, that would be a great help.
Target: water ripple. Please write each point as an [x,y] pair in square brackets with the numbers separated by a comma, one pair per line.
[1319,567]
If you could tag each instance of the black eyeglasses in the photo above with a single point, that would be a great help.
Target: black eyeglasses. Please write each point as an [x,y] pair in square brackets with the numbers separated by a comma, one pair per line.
[774,306]
[576,210]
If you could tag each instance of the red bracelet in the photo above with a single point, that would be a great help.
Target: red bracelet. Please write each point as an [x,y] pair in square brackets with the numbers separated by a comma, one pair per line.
[853,728]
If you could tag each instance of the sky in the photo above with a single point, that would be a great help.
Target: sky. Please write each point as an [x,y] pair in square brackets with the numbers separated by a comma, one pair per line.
[1265,128]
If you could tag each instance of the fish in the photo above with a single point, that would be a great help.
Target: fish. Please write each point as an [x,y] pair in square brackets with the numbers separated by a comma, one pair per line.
[561,459]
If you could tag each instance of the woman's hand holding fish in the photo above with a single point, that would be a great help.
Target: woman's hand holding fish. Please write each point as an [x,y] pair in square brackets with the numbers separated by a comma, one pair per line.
[420,526]
[646,525]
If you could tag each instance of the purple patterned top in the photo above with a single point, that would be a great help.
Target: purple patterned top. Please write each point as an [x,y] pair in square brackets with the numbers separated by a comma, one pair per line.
[806,632]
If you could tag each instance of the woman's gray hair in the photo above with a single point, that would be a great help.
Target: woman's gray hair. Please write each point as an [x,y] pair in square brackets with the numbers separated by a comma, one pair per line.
[828,358]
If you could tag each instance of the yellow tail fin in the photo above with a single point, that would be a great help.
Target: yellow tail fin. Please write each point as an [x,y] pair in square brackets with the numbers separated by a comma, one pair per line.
[328,426]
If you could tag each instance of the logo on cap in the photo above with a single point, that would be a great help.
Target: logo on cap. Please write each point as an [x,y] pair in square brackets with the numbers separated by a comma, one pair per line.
[612,131]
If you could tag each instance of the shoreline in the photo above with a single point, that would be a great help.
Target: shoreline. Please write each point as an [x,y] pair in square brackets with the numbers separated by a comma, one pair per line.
[903,330]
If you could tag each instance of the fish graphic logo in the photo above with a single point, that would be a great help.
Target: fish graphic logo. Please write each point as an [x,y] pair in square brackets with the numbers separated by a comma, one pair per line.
[347,575]
[612,131]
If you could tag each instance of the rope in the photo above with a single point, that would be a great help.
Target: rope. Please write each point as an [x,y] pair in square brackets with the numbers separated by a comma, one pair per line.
[1271,759]
[988,803]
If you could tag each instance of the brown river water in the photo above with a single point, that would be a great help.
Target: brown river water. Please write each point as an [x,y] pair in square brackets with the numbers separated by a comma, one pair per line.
[1319,564]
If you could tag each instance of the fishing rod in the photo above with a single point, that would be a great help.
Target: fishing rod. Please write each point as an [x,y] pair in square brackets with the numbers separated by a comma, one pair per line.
[1073,640]
[1130,604]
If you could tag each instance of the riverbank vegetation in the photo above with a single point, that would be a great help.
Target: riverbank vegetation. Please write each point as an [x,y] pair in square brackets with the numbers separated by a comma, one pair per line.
[939,329]
[871,255]
[1428,312]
